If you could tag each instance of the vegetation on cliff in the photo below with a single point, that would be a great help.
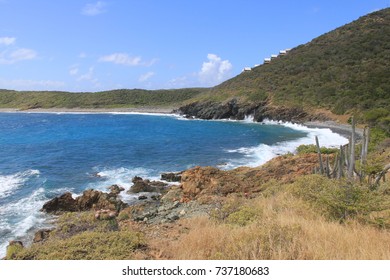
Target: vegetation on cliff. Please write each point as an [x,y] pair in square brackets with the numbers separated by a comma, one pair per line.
[105,99]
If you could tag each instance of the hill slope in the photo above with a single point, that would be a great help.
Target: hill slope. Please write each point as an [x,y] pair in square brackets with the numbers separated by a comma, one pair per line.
[105,99]
[344,71]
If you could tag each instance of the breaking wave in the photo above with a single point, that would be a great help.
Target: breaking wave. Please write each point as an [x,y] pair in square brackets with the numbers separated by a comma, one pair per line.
[10,183]
[258,155]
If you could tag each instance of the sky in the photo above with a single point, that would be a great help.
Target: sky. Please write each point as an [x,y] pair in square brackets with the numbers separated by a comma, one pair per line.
[77,45]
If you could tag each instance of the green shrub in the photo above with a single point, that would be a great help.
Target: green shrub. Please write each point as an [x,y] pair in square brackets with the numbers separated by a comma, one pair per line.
[72,223]
[118,245]
[373,115]
[244,216]
[13,250]
[308,149]
[339,199]
[225,208]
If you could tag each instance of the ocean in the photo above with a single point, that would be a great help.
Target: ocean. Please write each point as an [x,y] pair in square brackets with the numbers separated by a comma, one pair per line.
[42,155]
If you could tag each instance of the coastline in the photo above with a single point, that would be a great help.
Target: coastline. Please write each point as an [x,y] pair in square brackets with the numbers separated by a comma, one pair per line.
[339,128]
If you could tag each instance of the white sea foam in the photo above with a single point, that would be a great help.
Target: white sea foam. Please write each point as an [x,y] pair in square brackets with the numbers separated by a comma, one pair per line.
[258,155]
[19,219]
[10,183]
[123,177]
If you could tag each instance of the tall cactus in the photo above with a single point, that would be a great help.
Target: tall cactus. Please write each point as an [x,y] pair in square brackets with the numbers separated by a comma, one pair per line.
[319,156]
[351,165]
[363,157]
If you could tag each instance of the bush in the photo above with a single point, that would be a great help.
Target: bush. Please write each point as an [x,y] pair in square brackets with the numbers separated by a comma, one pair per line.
[72,223]
[339,199]
[244,216]
[118,245]
[308,149]
[13,250]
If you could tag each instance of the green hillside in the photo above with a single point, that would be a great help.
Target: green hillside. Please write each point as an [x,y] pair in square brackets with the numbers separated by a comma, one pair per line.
[105,99]
[346,71]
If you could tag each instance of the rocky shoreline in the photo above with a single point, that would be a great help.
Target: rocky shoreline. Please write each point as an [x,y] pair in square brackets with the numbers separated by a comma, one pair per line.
[235,110]
[198,191]
[159,202]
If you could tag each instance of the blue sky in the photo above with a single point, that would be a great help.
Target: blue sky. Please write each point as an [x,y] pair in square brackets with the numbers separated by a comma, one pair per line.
[154,44]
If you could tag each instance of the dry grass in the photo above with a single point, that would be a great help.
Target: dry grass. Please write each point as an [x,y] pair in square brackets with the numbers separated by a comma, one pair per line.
[286,229]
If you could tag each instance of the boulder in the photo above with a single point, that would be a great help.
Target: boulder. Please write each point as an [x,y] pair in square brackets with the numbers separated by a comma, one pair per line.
[62,203]
[15,243]
[90,199]
[93,199]
[41,235]
[115,189]
[171,176]
[141,185]
[105,214]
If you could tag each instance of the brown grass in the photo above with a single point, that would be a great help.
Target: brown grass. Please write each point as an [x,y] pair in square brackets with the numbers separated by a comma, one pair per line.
[286,229]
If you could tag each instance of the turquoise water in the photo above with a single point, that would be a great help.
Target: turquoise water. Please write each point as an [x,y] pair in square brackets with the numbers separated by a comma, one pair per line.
[43,155]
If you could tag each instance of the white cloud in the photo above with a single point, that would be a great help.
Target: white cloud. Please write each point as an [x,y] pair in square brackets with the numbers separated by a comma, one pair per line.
[20,84]
[215,70]
[87,76]
[7,40]
[146,76]
[125,59]
[122,58]
[94,9]
[20,54]
[74,70]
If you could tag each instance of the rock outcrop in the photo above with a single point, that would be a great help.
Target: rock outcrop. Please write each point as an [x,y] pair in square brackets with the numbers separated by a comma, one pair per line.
[90,199]
[141,185]
[238,111]
[62,203]
[209,181]
[171,176]
[42,235]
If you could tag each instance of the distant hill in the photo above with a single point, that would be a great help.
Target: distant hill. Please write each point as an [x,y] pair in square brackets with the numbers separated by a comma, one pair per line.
[105,99]
[345,71]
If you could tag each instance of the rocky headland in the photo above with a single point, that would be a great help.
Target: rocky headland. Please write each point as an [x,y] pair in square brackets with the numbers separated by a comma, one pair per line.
[236,110]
